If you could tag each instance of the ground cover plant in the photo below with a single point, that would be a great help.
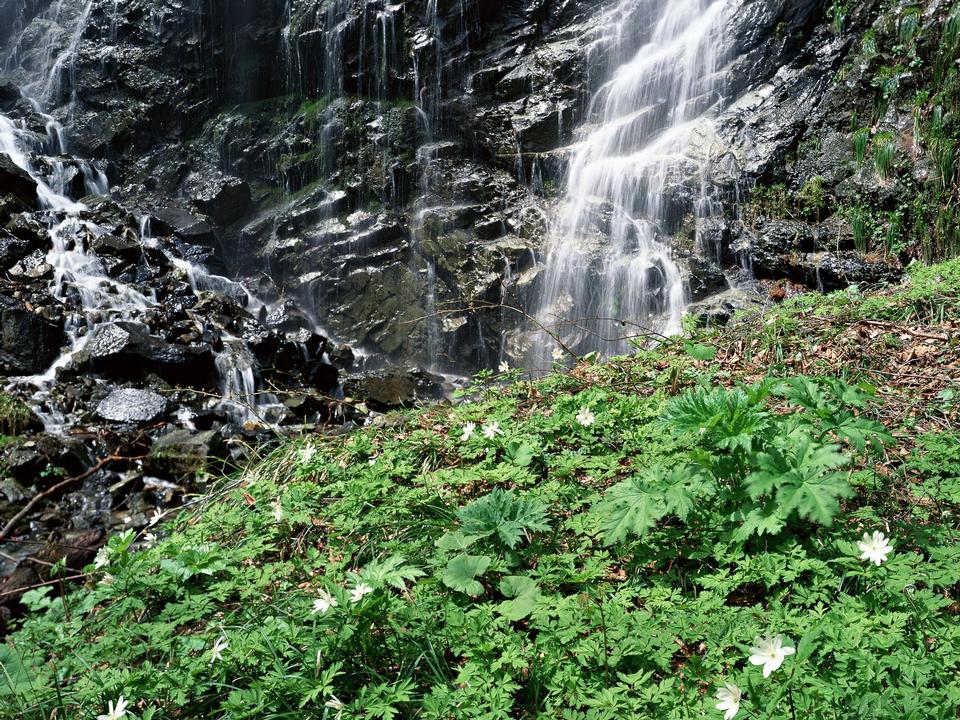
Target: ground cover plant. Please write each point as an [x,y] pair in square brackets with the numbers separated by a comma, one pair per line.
[755,522]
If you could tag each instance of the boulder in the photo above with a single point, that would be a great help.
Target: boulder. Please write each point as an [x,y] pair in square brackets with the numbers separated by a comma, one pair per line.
[224,198]
[29,343]
[127,350]
[17,182]
[132,406]
[184,224]
[182,454]
[394,388]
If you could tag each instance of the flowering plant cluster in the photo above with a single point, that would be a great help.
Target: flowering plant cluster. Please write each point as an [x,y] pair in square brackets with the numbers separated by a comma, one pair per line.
[619,541]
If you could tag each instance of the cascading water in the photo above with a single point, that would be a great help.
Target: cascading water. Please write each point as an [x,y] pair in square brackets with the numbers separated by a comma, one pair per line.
[609,274]
[76,268]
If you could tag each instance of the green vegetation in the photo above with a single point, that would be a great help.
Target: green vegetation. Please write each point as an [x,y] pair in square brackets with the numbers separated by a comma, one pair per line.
[613,540]
[16,416]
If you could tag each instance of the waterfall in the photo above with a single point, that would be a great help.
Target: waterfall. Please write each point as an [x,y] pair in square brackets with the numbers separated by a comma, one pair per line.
[609,273]
[77,270]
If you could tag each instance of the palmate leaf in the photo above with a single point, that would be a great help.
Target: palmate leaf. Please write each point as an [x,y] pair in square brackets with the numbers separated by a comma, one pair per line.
[629,509]
[503,515]
[461,573]
[727,419]
[802,479]
[634,506]
[523,593]
[766,520]
[392,571]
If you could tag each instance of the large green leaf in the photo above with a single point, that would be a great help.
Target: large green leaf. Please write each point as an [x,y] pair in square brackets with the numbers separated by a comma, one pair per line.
[524,594]
[503,515]
[461,573]
[13,671]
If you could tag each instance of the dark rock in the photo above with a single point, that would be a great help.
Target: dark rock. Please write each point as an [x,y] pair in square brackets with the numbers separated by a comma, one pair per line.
[9,95]
[12,250]
[17,182]
[125,350]
[223,197]
[132,406]
[185,225]
[395,388]
[29,343]
[182,454]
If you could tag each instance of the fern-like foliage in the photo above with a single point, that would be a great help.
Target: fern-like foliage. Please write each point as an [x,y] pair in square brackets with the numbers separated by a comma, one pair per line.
[802,479]
[392,571]
[761,472]
[829,406]
[634,506]
[504,516]
[724,419]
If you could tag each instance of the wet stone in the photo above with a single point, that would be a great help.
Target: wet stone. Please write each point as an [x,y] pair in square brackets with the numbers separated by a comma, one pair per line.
[132,406]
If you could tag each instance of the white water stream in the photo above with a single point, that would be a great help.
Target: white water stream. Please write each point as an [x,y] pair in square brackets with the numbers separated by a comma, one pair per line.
[608,274]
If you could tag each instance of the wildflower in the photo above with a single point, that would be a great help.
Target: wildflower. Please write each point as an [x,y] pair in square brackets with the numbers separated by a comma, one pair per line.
[276,509]
[102,558]
[156,517]
[149,539]
[107,580]
[491,430]
[558,354]
[216,651]
[586,417]
[729,697]
[306,454]
[356,595]
[115,712]
[876,548]
[770,653]
[468,431]
[323,603]
[319,660]
[504,367]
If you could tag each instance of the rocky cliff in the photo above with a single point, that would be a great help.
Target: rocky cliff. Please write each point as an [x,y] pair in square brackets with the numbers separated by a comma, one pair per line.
[259,199]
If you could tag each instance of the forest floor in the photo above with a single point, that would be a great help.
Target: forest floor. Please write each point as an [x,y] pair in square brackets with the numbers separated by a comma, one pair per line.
[648,537]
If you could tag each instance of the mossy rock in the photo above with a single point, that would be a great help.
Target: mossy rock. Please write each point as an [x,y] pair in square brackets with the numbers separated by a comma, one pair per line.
[16,417]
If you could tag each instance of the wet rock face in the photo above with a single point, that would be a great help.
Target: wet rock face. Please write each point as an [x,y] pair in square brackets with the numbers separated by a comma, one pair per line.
[132,406]
[29,342]
[16,183]
[128,350]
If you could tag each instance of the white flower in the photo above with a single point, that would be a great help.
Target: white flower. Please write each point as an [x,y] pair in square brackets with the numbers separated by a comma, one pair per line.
[306,454]
[149,539]
[156,517]
[729,697]
[276,509]
[468,431]
[491,430]
[875,548]
[102,558]
[356,595]
[504,367]
[558,354]
[586,417]
[115,712]
[770,653]
[323,603]
[107,580]
[216,651]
